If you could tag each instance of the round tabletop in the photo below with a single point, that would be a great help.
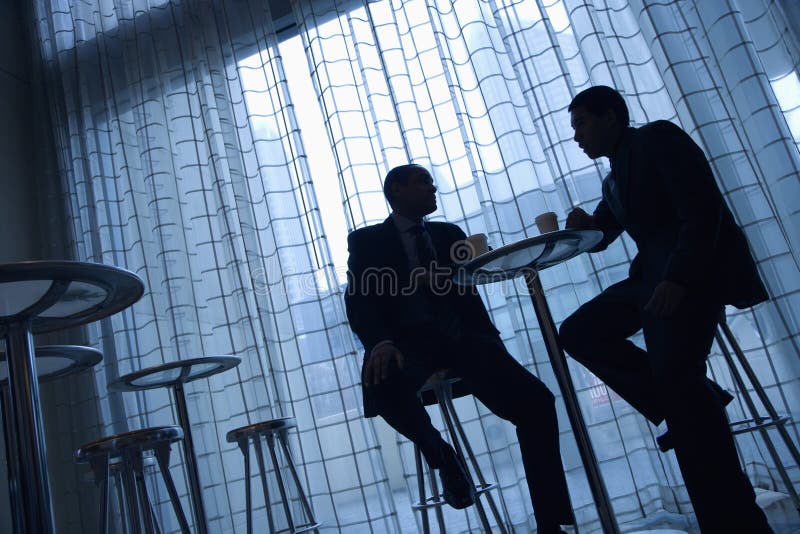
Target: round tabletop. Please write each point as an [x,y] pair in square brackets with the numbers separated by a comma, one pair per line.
[53,295]
[534,253]
[56,361]
[172,373]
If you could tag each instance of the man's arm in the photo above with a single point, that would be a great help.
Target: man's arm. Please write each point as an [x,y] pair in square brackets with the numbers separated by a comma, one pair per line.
[364,286]
[362,302]
[602,219]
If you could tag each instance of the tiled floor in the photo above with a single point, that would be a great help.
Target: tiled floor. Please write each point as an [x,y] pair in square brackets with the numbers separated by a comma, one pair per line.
[783,518]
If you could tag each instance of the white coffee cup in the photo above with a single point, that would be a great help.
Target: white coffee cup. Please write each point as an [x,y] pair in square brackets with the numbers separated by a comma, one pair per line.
[547,222]
[478,243]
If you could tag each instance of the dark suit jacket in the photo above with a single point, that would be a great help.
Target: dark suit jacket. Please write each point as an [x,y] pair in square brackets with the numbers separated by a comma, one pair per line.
[378,271]
[662,192]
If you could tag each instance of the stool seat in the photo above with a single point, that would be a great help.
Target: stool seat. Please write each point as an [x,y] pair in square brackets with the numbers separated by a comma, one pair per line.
[443,378]
[134,440]
[265,427]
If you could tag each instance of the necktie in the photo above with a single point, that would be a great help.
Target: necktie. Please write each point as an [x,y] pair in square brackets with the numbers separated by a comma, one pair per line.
[425,253]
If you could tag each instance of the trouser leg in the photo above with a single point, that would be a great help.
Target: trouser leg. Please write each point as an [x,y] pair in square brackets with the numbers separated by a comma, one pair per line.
[596,336]
[398,404]
[514,394]
[721,494]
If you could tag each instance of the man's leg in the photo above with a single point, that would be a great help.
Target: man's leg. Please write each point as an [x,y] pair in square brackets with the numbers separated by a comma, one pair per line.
[596,335]
[721,494]
[397,402]
[514,394]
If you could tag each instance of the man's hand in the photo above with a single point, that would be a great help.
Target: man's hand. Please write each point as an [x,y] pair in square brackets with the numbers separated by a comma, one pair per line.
[580,220]
[666,298]
[379,365]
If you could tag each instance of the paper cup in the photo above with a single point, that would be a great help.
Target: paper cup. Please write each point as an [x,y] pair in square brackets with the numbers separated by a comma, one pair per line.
[478,243]
[547,222]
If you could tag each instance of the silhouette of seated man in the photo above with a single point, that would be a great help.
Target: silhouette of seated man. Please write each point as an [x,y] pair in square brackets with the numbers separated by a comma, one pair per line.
[411,328]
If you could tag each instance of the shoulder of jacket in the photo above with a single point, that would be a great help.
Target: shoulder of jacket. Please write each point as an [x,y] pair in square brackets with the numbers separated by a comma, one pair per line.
[365,233]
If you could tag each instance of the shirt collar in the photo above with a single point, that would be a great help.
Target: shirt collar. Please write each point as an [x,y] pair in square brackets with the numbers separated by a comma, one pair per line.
[404,224]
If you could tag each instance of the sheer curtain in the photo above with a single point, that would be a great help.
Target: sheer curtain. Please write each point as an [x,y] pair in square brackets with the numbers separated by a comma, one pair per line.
[188,156]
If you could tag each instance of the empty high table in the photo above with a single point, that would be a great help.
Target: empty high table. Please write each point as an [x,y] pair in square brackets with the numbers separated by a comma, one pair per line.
[526,258]
[174,375]
[38,297]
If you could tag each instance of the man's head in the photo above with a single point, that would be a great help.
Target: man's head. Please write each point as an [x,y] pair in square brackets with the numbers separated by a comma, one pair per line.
[410,191]
[598,115]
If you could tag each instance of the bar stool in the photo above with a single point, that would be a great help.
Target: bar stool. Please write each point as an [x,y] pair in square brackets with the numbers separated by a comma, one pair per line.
[757,422]
[270,430]
[439,389]
[117,485]
[128,449]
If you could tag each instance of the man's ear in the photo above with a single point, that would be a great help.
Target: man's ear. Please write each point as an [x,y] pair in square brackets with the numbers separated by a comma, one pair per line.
[610,118]
[396,187]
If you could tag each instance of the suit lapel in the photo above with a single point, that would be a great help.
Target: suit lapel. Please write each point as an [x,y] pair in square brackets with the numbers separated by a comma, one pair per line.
[395,253]
[618,186]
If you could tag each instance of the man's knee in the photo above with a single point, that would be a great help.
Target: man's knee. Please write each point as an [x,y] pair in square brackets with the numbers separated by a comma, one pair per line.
[572,334]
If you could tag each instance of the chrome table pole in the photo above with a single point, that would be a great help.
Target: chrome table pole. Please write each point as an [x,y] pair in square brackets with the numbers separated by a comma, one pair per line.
[31,492]
[561,371]
[191,460]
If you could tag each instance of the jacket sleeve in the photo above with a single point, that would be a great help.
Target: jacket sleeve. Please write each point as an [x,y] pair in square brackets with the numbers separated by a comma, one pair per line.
[695,197]
[365,285]
[608,224]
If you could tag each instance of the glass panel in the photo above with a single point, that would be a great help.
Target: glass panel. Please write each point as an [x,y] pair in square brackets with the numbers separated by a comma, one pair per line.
[16,296]
[46,365]
[80,296]
[517,259]
[201,368]
[167,376]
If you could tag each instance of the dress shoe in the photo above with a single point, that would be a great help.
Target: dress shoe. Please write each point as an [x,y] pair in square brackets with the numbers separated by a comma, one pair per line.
[665,441]
[457,489]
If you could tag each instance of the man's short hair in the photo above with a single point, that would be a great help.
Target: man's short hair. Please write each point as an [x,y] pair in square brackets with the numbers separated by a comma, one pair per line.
[398,175]
[599,99]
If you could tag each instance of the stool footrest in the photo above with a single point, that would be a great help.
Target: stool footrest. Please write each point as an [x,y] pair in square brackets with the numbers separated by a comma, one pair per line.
[306,528]
[751,425]
[434,502]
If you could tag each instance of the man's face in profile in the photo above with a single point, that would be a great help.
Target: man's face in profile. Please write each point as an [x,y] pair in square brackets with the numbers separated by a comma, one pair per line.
[595,134]
[418,196]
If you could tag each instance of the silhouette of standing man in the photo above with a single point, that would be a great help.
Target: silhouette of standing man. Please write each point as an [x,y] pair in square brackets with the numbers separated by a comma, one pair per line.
[692,260]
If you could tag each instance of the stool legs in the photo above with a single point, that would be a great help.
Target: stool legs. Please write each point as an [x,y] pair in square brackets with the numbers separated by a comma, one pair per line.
[426,527]
[303,499]
[136,510]
[423,499]
[129,489]
[118,488]
[281,485]
[458,437]
[272,430]
[162,457]
[773,420]
[448,401]
[262,471]
[248,494]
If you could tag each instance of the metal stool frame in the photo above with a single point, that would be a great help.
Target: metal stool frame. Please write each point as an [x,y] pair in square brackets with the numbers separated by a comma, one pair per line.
[270,430]
[129,448]
[441,386]
[757,422]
